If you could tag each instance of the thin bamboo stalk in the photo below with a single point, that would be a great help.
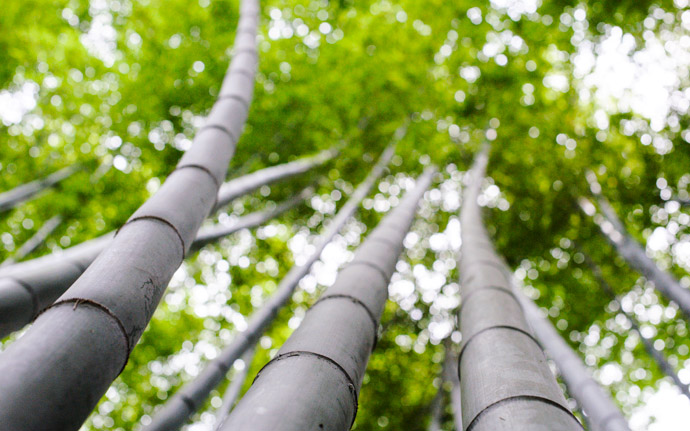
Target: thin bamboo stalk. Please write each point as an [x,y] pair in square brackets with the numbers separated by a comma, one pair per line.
[28,287]
[634,253]
[34,242]
[24,192]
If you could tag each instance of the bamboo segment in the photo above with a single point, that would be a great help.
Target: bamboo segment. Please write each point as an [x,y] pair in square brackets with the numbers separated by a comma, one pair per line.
[313,382]
[505,381]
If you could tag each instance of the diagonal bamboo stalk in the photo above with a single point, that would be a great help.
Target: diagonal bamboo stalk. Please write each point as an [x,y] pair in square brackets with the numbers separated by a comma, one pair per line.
[634,253]
[28,287]
[232,392]
[313,382]
[601,410]
[658,357]
[34,242]
[79,345]
[24,192]
[191,396]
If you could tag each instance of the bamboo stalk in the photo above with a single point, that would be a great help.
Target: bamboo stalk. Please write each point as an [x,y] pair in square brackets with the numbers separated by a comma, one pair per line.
[78,346]
[191,396]
[313,382]
[34,242]
[505,381]
[634,253]
[24,192]
[28,287]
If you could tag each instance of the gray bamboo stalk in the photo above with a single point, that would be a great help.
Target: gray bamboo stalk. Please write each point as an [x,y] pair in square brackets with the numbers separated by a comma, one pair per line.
[232,392]
[26,291]
[602,412]
[634,253]
[658,357]
[191,396]
[24,192]
[313,382]
[34,242]
[213,233]
[505,381]
[436,409]
[450,375]
[28,287]
[250,182]
[55,374]
[231,190]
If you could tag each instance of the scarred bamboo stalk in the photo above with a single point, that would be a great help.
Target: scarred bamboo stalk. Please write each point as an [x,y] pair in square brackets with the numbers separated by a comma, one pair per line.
[313,382]
[191,396]
[78,346]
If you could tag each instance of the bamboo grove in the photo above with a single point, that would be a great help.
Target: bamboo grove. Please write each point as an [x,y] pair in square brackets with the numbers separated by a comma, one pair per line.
[288,215]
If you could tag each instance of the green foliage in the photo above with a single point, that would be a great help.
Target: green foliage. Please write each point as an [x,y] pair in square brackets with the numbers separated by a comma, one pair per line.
[120,86]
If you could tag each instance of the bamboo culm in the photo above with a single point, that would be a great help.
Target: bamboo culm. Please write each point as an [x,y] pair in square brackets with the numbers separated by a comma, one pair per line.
[35,241]
[250,182]
[24,295]
[191,396]
[232,392]
[601,410]
[210,234]
[79,345]
[634,253]
[231,190]
[505,381]
[313,382]
[28,287]
[19,194]
[436,410]
[450,375]
[658,357]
